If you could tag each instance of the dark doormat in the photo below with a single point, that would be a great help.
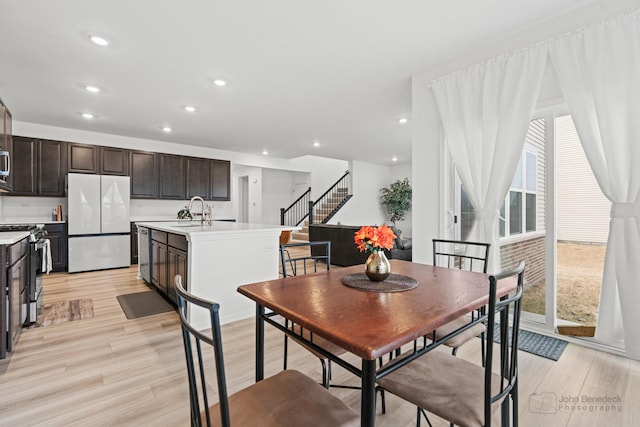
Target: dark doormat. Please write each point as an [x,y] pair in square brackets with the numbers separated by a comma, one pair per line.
[538,344]
[64,311]
[143,304]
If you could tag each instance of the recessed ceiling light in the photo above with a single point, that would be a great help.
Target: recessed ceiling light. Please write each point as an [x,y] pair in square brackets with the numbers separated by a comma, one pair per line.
[88,116]
[93,88]
[265,152]
[100,41]
[394,159]
[220,82]
[167,129]
[316,144]
[190,109]
[403,120]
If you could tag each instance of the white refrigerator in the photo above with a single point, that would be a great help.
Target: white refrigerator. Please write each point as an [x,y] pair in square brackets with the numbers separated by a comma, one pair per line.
[98,222]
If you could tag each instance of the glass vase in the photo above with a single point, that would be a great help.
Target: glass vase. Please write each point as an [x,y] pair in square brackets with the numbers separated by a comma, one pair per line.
[377,266]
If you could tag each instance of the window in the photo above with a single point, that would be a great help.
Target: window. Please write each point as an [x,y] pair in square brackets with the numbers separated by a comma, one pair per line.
[521,209]
[521,215]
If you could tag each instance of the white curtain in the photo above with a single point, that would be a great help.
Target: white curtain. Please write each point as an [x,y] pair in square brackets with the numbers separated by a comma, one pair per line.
[599,72]
[485,113]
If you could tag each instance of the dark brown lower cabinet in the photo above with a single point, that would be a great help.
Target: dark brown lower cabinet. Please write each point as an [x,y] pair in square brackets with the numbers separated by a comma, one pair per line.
[169,256]
[57,235]
[14,276]
[177,265]
[159,265]
[134,244]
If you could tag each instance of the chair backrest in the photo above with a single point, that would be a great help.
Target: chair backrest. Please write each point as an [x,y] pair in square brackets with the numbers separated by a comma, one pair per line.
[318,252]
[461,254]
[191,336]
[507,311]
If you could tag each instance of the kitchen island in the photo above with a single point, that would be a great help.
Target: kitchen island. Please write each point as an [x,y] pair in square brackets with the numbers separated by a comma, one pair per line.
[215,259]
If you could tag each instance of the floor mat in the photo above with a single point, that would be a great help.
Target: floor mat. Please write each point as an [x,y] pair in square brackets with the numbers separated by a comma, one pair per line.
[538,344]
[64,311]
[143,304]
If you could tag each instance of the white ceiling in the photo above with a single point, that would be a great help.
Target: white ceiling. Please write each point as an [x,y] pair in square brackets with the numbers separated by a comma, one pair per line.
[335,71]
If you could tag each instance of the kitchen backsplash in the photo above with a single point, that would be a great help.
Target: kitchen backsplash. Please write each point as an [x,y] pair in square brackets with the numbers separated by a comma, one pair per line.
[31,207]
[157,208]
[12,208]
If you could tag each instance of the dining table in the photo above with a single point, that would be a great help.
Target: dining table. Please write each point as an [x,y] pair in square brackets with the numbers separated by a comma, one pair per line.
[368,323]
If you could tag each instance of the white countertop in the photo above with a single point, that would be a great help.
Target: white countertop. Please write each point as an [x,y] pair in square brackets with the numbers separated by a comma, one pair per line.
[11,237]
[165,218]
[29,220]
[189,228]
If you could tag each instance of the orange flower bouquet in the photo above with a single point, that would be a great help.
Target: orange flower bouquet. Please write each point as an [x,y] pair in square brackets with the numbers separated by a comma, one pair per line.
[374,239]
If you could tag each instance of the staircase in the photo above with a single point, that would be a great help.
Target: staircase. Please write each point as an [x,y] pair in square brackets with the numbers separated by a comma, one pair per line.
[303,234]
[324,212]
[320,211]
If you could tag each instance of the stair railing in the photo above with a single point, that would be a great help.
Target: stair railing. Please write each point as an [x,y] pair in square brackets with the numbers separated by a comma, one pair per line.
[332,200]
[297,211]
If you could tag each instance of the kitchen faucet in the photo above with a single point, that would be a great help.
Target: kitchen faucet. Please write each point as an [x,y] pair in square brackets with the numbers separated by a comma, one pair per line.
[201,200]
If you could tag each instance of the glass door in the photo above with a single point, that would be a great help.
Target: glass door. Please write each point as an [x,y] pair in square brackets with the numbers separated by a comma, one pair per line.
[582,219]
[556,218]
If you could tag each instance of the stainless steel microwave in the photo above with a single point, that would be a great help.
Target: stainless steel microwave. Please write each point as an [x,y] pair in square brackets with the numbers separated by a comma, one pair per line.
[5,165]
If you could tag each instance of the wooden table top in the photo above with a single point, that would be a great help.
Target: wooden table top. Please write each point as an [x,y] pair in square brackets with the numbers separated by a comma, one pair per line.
[371,324]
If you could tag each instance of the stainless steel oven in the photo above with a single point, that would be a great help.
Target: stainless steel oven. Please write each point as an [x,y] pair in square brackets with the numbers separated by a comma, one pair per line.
[37,261]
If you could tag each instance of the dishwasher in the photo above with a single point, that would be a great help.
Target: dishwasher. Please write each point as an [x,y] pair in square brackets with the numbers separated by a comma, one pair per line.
[144,244]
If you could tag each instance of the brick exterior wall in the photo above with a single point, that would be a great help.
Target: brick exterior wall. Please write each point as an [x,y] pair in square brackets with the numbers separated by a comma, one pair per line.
[532,251]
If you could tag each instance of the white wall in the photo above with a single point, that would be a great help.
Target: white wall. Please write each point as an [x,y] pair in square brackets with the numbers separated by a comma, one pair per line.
[301,183]
[317,172]
[75,135]
[324,172]
[428,200]
[364,207]
[277,192]
[397,172]
[254,175]
[426,170]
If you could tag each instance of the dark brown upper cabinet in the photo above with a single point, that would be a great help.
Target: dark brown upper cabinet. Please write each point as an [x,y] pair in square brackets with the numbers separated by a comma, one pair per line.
[82,158]
[198,179]
[144,175]
[24,165]
[114,161]
[39,167]
[220,180]
[172,177]
[52,168]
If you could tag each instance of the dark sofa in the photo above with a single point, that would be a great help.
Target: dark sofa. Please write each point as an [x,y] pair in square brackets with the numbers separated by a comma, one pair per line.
[343,248]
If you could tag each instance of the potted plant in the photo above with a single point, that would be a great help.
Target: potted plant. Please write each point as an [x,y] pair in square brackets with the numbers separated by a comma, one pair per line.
[397,199]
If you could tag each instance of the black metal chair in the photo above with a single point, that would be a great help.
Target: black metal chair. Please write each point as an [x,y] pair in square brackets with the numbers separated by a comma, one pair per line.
[460,391]
[471,256]
[288,398]
[319,252]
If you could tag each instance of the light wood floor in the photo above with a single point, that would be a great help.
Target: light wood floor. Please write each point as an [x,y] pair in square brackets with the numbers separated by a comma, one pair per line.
[112,371]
